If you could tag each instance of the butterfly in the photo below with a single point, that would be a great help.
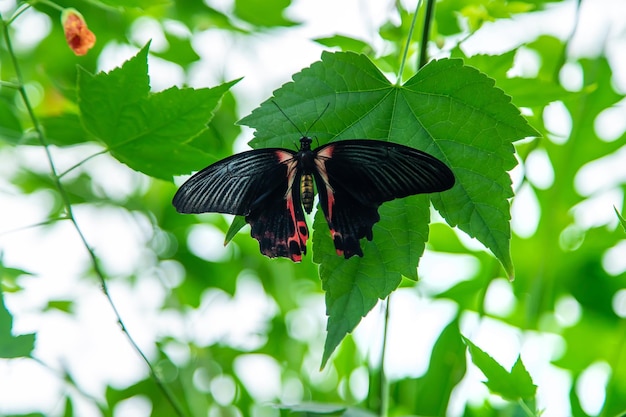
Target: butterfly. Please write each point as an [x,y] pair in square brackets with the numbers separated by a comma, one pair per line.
[273,187]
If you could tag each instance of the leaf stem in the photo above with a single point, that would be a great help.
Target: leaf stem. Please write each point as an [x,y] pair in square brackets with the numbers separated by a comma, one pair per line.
[8,84]
[423,56]
[21,9]
[49,4]
[65,377]
[70,215]
[31,226]
[526,409]
[408,44]
[76,165]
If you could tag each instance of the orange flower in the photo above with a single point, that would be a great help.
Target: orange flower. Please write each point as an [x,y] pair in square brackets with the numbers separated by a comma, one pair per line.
[77,34]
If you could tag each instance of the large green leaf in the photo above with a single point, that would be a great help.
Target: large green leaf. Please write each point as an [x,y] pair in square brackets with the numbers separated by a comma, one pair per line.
[147,131]
[354,286]
[448,110]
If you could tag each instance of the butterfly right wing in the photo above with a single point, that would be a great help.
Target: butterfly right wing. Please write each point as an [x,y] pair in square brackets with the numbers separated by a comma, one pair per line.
[257,184]
[354,177]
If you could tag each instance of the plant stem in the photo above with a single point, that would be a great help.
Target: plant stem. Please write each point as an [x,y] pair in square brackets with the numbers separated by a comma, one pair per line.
[615,363]
[384,384]
[408,44]
[64,376]
[568,40]
[70,215]
[423,56]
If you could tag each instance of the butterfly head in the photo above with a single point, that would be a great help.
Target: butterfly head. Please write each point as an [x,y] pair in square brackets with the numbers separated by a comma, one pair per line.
[305,143]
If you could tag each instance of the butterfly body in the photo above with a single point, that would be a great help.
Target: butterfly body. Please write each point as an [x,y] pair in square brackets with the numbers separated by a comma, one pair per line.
[307,192]
[272,186]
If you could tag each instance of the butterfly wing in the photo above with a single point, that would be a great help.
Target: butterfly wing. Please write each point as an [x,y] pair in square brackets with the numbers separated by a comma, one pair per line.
[257,184]
[354,177]
[232,185]
[278,221]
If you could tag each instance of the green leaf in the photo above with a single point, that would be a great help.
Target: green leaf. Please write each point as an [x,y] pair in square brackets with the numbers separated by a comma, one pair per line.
[267,13]
[474,124]
[354,286]
[621,219]
[446,369]
[10,126]
[345,43]
[235,226]
[429,395]
[135,4]
[64,130]
[12,346]
[8,277]
[316,408]
[179,50]
[69,408]
[147,131]
[522,380]
[448,110]
[60,305]
[512,386]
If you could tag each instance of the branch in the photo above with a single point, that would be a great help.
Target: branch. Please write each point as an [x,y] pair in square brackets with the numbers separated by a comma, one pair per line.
[430,12]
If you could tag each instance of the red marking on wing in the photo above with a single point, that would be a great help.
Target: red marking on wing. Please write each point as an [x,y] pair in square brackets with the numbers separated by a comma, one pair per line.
[284,157]
[300,230]
[296,243]
[320,161]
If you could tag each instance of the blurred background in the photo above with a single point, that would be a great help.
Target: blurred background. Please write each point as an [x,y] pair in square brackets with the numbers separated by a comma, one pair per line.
[232,331]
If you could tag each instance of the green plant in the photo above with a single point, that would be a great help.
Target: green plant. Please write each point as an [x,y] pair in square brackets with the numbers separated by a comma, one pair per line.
[462,109]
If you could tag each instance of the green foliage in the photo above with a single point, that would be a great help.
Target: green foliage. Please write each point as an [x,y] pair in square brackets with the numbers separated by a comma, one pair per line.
[514,385]
[264,13]
[147,131]
[363,103]
[462,109]
[621,219]
[13,346]
[430,394]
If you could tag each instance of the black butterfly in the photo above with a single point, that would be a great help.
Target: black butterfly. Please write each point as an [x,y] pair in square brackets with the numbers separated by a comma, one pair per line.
[271,186]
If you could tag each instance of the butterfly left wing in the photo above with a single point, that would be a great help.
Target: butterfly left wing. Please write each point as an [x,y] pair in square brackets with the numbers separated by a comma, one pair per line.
[257,184]
[234,184]
[354,177]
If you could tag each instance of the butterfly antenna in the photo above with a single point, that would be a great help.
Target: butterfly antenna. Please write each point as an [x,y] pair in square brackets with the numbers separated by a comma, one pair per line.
[294,125]
[316,120]
[287,117]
